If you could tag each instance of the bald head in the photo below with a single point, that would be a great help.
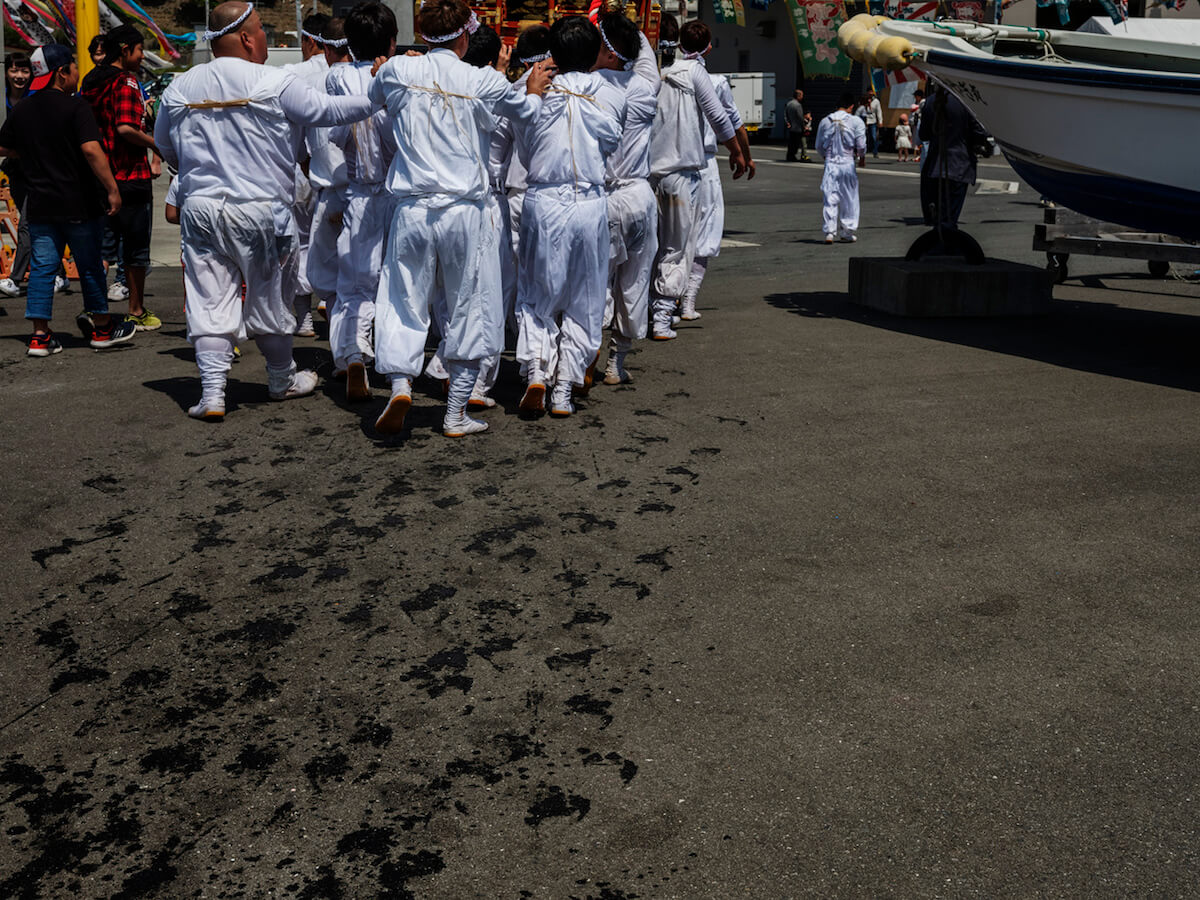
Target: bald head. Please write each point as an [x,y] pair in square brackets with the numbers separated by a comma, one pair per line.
[245,39]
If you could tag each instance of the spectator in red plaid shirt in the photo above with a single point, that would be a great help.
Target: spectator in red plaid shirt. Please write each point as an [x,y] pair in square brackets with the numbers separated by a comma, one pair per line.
[116,97]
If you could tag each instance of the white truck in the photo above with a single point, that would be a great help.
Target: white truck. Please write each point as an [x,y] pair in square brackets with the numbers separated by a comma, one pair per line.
[754,97]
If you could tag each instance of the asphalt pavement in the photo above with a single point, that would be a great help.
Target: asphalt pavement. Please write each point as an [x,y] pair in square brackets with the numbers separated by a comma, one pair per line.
[824,603]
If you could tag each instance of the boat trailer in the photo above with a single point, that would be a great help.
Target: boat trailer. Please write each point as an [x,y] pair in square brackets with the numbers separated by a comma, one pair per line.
[1064,232]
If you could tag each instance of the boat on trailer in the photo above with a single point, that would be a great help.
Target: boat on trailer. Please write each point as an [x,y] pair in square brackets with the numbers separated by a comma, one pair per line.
[1103,124]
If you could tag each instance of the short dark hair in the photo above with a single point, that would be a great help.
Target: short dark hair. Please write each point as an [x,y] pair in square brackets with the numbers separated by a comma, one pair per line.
[484,49]
[694,37]
[845,98]
[574,44]
[370,30]
[334,30]
[314,23]
[95,44]
[439,17]
[17,61]
[533,41]
[621,33]
[120,38]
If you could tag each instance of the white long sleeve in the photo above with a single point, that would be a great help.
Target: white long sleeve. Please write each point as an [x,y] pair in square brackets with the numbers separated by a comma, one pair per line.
[710,105]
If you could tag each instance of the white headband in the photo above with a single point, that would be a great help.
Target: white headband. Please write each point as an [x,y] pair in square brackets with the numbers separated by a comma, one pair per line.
[315,38]
[611,48]
[530,60]
[470,28]
[339,43]
[667,45]
[210,36]
[698,54]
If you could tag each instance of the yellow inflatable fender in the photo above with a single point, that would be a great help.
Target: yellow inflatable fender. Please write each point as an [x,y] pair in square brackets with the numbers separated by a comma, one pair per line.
[847,31]
[892,53]
[858,43]
[868,52]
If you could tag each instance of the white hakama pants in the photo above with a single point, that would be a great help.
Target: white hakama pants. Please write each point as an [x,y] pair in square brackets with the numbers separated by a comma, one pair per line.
[443,261]
[302,212]
[360,257]
[633,235]
[678,194]
[564,264]
[710,211]
[839,185]
[516,202]
[228,244]
[323,242]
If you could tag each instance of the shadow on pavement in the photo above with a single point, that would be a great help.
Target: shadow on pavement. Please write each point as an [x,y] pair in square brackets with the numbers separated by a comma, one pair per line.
[1136,344]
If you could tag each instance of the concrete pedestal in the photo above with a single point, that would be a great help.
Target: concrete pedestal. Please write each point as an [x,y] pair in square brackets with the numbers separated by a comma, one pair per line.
[947,286]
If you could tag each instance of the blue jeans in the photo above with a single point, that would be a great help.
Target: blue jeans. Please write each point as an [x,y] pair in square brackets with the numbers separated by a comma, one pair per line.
[872,135]
[48,241]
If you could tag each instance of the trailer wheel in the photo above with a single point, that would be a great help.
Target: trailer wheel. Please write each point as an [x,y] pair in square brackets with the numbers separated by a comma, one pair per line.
[1056,266]
[1159,268]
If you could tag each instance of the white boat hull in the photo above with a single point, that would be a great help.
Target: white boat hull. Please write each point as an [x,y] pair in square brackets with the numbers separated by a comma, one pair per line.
[1111,130]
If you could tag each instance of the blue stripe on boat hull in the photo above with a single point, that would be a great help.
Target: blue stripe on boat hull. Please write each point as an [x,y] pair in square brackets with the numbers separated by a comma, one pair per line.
[1140,205]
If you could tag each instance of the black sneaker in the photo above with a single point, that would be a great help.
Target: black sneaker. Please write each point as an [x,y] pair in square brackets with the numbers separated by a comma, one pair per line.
[86,326]
[115,332]
[43,345]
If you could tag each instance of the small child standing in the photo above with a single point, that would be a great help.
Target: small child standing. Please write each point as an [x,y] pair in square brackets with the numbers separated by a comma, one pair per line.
[903,139]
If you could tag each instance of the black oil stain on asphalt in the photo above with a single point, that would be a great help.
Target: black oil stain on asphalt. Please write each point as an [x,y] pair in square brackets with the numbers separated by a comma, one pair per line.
[325,665]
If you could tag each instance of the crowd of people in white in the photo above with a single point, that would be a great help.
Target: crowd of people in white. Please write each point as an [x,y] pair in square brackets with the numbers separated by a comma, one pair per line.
[427,190]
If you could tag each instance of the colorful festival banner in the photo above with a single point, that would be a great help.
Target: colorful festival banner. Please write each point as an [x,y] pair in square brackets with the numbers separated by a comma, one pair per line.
[815,24]
[740,12]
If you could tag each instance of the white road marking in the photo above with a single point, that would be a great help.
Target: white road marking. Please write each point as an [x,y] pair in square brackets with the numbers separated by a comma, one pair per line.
[987,186]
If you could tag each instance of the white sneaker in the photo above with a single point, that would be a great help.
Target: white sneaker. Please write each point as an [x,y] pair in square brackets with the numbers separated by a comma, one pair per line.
[560,400]
[689,313]
[302,383]
[480,400]
[9,288]
[210,410]
[118,291]
[848,239]
[304,328]
[61,284]
[829,238]
[391,420]
[533,401]
[614,371]
[462,426]
[435,369]
[664,334]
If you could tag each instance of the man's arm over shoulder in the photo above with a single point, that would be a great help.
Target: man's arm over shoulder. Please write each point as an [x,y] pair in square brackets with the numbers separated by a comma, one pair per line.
[512,101]
[304,106]
[646,64]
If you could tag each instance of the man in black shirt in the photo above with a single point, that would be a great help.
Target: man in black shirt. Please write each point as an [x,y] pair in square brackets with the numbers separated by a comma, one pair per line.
[70,188]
